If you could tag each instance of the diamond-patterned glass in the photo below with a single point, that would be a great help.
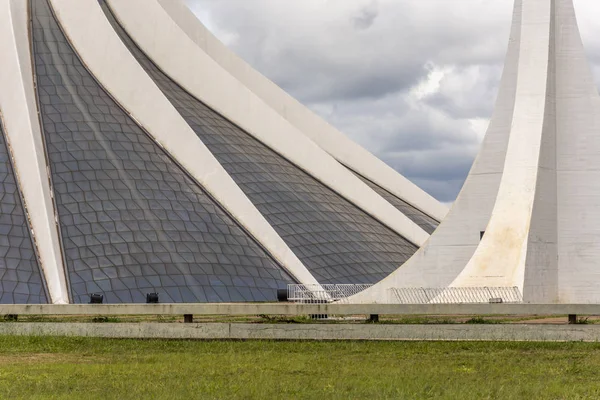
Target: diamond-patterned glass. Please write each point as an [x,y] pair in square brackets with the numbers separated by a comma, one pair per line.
[336,241]
[417,216]
[21,280]
[132,222]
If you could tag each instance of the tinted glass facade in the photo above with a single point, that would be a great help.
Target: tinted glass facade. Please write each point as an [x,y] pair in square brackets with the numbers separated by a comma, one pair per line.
[336,241]
[21,279]
[427,223]
[132,221]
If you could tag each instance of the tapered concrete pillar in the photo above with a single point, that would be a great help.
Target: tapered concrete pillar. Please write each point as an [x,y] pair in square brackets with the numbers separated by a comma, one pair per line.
[439,261]
[543,235]
[543,227]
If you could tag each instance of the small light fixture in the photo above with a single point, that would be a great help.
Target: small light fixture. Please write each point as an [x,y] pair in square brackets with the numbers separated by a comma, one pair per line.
[151,298]
[282,295]
[96,298]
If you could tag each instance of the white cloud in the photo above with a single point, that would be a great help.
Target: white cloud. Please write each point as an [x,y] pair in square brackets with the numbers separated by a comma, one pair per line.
[414,81]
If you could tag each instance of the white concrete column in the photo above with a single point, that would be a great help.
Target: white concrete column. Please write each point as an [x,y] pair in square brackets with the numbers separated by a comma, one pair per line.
[500,258]
[19,111]
[441,259]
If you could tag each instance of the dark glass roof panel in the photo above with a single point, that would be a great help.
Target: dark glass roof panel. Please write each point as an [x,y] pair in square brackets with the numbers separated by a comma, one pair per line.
[337,241]
[417,216]
[132,221]
[21,279]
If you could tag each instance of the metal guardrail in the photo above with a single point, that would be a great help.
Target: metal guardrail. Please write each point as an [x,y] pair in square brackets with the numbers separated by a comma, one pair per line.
[325,293]
[455,295]
[284,308]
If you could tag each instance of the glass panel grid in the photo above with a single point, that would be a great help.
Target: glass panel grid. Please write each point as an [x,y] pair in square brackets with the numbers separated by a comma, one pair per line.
[132,221]
[21,280]
[417,216]
[336,241]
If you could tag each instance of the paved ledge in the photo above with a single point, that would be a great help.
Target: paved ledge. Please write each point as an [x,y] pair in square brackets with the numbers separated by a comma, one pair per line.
[299,309]
[499,332]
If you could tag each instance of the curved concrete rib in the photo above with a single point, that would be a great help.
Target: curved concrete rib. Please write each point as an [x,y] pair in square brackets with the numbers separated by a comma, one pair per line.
[117,70]
[543,236]
[19,110]
[577,174]
[451,246]
[327,137]
[178,56]
[499,261]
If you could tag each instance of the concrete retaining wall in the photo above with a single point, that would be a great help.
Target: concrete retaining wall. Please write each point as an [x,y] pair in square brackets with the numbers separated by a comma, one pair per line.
[285,308]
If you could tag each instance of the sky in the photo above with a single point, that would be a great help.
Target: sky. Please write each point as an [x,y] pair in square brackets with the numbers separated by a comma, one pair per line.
[413,81]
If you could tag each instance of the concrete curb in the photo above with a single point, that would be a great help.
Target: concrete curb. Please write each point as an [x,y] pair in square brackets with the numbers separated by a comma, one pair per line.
[285,308]
[496,332]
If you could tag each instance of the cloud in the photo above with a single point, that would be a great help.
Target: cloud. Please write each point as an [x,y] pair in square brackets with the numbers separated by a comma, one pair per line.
[366,16]
[414,82]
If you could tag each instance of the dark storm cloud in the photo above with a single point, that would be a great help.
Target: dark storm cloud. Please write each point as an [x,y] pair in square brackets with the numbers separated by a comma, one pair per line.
[332,80]
[314,50]
[441,175]
[413,81]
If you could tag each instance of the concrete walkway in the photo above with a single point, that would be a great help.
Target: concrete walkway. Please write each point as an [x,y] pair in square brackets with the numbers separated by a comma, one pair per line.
[500,332]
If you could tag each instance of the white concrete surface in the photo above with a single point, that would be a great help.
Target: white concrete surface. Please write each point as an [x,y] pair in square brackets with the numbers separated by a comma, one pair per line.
[18,108]
[117,70]
[180,58]
[500,257]
[311,125]
[544,234]
[577,167]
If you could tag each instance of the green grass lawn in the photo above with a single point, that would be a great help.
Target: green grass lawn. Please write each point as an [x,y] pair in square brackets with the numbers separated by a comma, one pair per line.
[39,368]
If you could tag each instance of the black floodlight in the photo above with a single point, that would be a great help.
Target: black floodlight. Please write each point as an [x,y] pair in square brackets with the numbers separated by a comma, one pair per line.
[282,295]
[96,298]
[151,298]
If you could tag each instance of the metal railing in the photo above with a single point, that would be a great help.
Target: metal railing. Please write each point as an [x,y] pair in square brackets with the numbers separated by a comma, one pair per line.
[455,295]
[326,293]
